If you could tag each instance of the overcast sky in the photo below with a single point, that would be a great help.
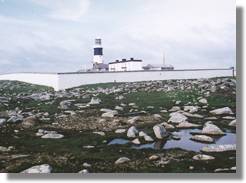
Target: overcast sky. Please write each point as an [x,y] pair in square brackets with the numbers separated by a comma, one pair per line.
[58,35]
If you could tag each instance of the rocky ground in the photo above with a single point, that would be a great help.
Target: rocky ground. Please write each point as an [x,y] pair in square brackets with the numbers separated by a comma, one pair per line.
[107,127]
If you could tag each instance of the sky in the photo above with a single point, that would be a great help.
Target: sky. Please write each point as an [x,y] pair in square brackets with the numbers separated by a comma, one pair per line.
[58,35]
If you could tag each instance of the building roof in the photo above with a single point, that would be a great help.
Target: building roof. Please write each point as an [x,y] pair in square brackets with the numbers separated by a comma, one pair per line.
[125,60]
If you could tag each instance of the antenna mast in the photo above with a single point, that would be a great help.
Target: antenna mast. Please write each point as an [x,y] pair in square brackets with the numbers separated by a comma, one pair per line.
[164,59]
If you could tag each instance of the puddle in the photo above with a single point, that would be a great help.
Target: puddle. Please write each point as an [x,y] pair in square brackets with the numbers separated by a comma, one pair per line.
[118,141]
[184,143]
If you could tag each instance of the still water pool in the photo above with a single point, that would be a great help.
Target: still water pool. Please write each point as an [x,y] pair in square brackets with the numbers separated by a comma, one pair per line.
[184,143]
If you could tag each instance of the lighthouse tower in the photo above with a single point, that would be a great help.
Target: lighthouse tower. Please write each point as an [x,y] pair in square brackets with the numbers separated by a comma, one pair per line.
[98,53]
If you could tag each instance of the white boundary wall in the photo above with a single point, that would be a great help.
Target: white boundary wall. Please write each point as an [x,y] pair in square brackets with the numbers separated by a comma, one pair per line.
[69,80]
[61,81]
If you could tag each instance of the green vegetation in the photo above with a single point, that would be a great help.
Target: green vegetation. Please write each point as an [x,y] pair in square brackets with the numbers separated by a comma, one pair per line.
[13,88]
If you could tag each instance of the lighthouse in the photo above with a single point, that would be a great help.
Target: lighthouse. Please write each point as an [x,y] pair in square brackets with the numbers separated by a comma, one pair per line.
[98,53]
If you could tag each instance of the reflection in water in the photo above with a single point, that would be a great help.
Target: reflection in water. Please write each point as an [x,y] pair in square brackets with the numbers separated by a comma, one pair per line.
[159,144]
[183,143]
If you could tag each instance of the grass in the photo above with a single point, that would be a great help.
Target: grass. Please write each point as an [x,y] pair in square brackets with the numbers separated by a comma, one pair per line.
[13,88]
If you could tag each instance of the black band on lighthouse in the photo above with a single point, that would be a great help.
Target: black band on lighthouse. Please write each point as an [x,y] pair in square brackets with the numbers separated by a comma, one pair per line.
[98,51]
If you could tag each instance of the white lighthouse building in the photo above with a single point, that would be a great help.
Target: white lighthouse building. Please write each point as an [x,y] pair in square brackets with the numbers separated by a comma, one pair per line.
[98,64]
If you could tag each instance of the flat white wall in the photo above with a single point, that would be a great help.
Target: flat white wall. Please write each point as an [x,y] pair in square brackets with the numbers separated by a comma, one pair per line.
[69,80]
[34,78]
[63,81]
[126,66]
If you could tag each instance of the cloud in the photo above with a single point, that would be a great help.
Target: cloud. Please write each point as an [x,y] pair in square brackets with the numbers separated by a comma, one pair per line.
[193,34]
[65,9]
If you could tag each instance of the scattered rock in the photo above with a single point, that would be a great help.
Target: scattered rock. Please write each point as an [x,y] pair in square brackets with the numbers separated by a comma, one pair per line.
[88,147]
[191,109]
[148,138]
[221,170]
[109,114]
[211,129]
[177,117]
[220,111]
[4,149]
[168,126]
[15,119]
[219,148]
[120,131]
[29,122]
[132,131]
[100,133]
[154,157]
[203,157]
[136,141]
[157,116]
[2,121]
[86,165]
[228,117]
[160,131]
[64,105]
[187,124]
[45,168]
[233,123]
[203,101]
[122,160]
[94,101]
[133,120]
[202,138]
[84,171]
[52,136]
[174,109]
[119,108]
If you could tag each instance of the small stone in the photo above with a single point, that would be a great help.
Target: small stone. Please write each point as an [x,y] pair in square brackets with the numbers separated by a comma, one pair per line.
[122,160]
[219,148]
[84,171]
[174,109]
[157,116]
[211,129]
[177,117]
[4,149]
[203,101]
[29,122]
[191,109]
[132,131]
[220,111]
[148,138]
[160,131]
[168,126]
[52,136]
[45,168]
[2,121]
[119,108]
[100,133]
[203,157]
[94,101]
[233,123]
[154,157]
[86,165]
[120,131]
[228,117]
[191,167]
[187,124]
[202,138]
[163,111]
[136,141]
[88,147]
[133,120]
[221,170]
